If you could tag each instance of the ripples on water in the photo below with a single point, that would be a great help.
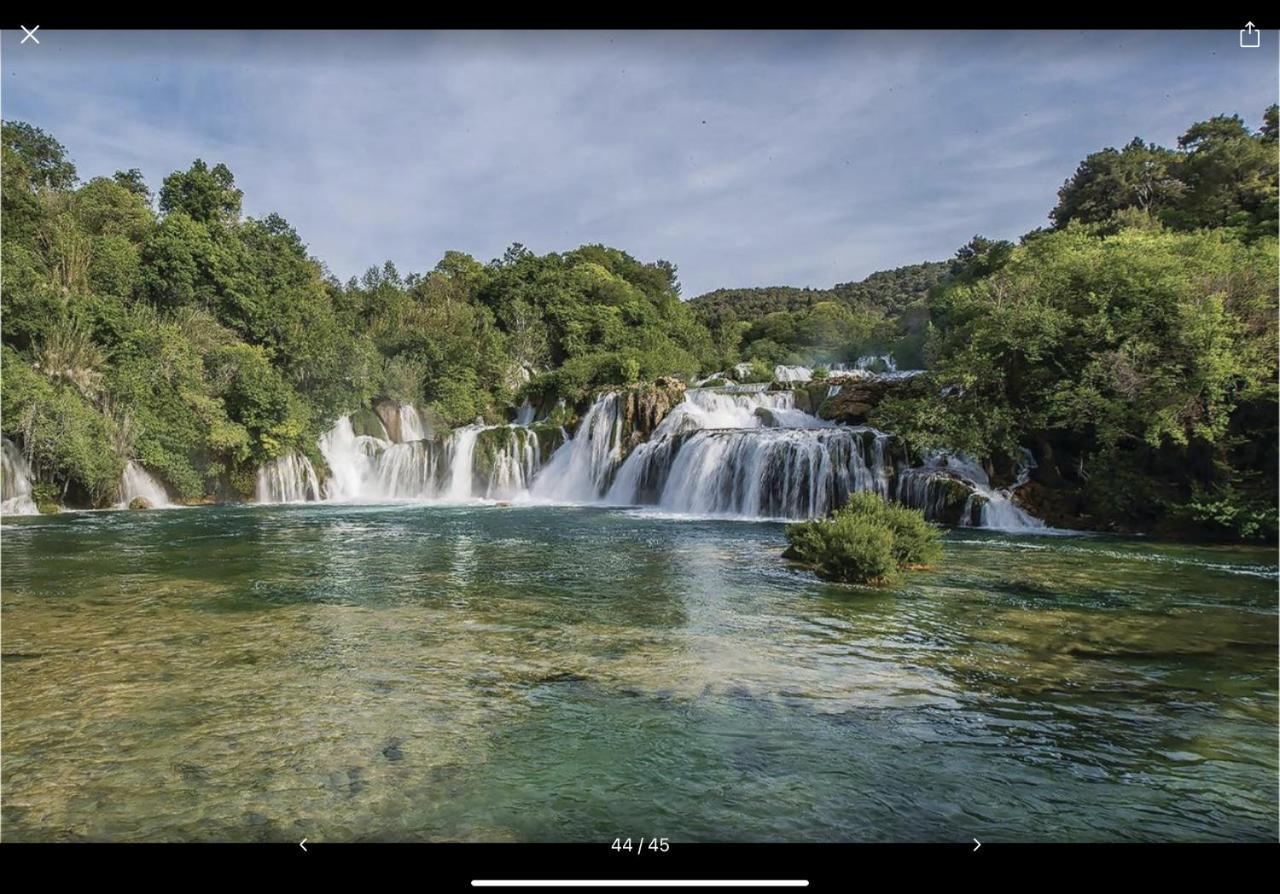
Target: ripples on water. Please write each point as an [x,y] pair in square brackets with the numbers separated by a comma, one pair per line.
[531,673]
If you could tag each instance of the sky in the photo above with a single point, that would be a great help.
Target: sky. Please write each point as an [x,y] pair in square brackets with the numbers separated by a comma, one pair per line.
[745,158]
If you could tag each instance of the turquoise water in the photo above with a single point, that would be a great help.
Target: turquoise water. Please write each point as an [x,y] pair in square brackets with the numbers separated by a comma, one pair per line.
[536,673]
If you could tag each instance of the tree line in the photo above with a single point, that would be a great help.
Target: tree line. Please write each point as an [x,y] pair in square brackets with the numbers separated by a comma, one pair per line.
[1130,344]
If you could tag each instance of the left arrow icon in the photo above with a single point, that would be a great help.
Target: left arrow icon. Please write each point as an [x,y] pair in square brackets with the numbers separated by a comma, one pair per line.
[303,844]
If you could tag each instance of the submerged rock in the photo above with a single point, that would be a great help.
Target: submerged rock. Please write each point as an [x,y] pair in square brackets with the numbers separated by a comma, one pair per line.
[140,503]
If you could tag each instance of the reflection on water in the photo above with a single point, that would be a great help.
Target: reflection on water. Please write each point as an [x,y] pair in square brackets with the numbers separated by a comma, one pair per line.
[489,673]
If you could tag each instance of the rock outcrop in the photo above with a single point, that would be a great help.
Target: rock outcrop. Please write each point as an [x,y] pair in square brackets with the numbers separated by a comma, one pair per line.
[857,397]
[644,406]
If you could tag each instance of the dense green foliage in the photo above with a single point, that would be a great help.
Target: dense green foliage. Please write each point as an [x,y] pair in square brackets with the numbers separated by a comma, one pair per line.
[869,540]
[1221,176]
[884,312]
[202,343]
[1134,355]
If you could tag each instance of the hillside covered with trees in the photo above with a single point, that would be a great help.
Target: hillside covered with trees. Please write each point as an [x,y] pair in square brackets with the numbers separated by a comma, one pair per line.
[1130,346]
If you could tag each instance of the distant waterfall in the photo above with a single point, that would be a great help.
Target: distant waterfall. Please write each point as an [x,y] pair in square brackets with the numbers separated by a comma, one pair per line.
[477,461]
[136,482]
[287,479]
[526,413]
[517,458]
[792,373]
[15,482]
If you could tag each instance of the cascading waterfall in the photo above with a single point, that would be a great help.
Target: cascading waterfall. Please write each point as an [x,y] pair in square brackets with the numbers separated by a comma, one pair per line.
[783,373]
[517,459]
[462,448]
[1000,511]
[720,451]
[287,479]
[137,483]
[749,454]
[412,428]
[581,470]
[947,481]
[472,462]
[15,482]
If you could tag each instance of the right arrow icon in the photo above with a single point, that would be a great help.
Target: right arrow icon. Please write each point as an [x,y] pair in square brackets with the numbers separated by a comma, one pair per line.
[976,844]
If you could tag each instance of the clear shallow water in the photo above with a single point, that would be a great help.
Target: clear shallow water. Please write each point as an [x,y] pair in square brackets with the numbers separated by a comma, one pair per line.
[537,673]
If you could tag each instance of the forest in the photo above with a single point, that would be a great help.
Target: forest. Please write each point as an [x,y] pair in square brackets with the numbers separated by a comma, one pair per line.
[1130,345]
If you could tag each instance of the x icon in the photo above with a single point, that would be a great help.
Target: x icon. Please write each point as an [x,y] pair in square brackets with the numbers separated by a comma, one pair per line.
[30,33]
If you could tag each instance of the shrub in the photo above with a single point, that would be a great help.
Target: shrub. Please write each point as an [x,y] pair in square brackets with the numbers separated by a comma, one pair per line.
[867,541]
[759,371]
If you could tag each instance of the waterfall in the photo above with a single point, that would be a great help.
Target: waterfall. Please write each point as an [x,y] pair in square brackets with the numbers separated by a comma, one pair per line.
[136,482]
[1000,511]
[750,454]
[473,462]
[15,482]
[720,451]
[516,459]
[287,479]
[351,459]
[412,427]
[581,470]
[524,415]
[955,489]
[462,448]
[792,373]
[765,473]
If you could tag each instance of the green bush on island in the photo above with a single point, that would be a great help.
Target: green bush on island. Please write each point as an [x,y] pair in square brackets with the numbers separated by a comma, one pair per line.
[869,540]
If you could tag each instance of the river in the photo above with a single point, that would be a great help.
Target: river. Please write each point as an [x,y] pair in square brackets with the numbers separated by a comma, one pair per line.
[529,673]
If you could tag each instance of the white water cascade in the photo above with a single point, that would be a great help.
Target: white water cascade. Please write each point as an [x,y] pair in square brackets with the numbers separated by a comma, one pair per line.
[287,479]
[15,482]
[496,462]
[752,455]
[136,482]
[580,471]
[932,485]
[720,451]
[412,428]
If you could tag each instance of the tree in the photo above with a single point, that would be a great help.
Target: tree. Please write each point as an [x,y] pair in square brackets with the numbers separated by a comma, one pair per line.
[43,159]
[133,181]
[206,195]
[1138,176]
[1230,177]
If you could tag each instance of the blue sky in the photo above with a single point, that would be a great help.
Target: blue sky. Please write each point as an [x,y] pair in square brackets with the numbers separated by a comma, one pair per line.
[746,158]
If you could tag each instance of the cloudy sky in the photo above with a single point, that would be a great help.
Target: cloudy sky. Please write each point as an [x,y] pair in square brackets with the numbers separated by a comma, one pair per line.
[746,158]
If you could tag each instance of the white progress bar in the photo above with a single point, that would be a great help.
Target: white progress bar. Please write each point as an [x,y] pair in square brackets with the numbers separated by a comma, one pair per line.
[639,883]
